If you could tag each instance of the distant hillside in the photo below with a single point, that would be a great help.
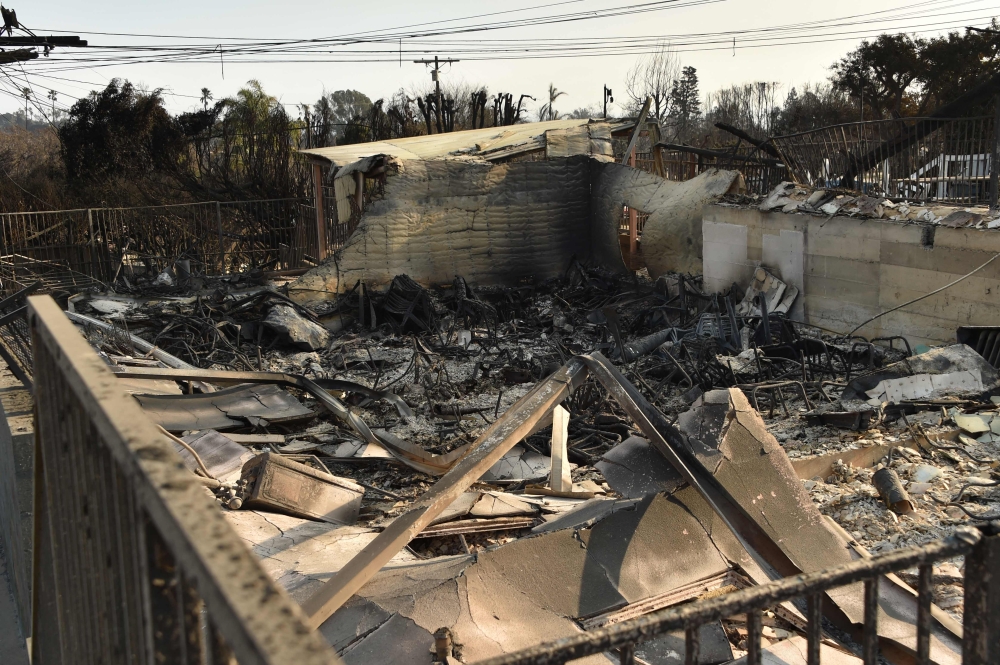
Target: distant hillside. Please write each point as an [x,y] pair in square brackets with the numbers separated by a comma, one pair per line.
[9,120]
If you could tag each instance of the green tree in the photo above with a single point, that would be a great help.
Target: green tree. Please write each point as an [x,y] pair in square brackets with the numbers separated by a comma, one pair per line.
[881,75]
[344,106]
[119,133]
[816,106]
[956,63]
[685,101]
[257,140]
[548,110]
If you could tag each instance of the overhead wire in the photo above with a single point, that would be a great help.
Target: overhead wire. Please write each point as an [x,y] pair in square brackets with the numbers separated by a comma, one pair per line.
[526,49]
[528,53]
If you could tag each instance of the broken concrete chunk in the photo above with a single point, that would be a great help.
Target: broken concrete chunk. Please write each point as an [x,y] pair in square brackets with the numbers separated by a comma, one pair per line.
[764,283]
[955,360]
[299,330]
[925,386]
[925,473]
[974,423]
[275,483]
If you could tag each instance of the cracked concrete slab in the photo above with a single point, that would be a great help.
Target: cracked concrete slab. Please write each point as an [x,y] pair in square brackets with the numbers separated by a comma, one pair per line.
[532,590]
[729,438]
[634,468]
[301,554]
[486,615]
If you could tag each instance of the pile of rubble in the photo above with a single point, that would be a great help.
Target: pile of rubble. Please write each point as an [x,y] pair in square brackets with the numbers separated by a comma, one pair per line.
[789,197]
[344,420]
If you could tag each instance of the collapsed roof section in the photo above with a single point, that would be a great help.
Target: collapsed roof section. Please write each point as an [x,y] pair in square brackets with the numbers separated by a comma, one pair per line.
[559,138]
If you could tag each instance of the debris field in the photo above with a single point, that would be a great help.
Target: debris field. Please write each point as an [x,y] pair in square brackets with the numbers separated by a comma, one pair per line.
[317,427]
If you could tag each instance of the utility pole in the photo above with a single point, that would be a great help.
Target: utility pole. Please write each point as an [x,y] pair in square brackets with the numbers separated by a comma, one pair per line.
[26,93]
[607,98]
[436,77]
[52,98]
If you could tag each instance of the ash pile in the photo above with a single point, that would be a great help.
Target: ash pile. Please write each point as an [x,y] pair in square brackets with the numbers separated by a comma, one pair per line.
[453,473]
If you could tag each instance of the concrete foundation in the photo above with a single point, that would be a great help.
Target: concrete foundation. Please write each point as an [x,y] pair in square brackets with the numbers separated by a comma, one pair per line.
[849,269]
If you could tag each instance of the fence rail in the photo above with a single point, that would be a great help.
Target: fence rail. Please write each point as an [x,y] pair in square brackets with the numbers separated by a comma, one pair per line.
[981,638]
[134,563]
[217,237]
[917,159]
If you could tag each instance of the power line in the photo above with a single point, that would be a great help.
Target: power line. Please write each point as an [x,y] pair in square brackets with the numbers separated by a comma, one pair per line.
[389,55]
[521,49]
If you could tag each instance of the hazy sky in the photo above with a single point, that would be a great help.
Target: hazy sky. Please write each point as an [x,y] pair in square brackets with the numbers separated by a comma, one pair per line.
[804,54]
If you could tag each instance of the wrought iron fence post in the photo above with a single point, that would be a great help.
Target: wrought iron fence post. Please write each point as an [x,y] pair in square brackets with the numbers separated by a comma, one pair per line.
[981,636]
[222,249]
[995,157]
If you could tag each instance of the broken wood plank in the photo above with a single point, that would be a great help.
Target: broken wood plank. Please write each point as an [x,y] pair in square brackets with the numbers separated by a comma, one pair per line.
[559,477]
[477,525]
[634,139]
[536,490]
[255,439]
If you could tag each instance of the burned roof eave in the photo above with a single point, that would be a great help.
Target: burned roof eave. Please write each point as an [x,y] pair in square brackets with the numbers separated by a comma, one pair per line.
[527,137]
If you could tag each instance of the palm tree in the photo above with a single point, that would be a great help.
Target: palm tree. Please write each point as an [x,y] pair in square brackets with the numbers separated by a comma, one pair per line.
[206,97]
[548,111]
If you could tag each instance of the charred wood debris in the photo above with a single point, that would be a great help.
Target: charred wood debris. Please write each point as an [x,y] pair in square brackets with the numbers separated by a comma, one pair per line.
[433,368]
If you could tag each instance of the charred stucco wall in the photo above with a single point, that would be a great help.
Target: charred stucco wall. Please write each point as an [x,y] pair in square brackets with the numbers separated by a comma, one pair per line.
[490,223]
[500,223]
[672,237]
[848,269]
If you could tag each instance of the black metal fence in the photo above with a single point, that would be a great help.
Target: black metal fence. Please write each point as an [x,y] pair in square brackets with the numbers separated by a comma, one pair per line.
[981,636]
[916,159]
[217,237]
[134,563]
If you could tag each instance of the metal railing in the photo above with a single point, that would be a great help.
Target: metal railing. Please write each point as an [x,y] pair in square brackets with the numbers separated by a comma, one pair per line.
[218,237]
[981,635]
[917,159]
[134,562]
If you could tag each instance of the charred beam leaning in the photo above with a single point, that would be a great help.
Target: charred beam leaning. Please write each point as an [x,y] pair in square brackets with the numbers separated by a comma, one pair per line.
[757,143]
[720,154]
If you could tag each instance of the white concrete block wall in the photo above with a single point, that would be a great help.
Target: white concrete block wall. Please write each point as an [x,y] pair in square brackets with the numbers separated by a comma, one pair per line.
[851,269]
